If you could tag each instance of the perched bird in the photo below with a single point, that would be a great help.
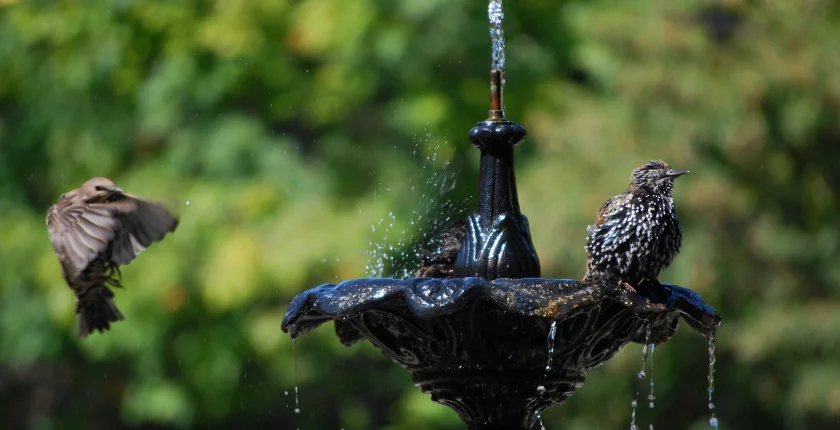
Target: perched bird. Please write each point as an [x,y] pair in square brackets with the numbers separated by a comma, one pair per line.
[94,229]
[637,233]
[440,263]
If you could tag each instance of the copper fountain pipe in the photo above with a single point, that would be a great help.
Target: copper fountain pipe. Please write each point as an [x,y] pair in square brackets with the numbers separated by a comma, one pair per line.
[497,112]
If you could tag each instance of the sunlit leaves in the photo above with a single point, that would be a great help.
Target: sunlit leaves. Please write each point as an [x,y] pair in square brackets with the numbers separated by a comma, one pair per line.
[281,131]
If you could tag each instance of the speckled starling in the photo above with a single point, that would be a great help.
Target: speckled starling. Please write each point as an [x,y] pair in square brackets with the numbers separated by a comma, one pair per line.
[440,262]
[94,229]
[637,233]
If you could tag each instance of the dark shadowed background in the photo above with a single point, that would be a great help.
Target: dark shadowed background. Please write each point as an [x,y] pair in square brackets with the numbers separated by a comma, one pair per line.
[284,133]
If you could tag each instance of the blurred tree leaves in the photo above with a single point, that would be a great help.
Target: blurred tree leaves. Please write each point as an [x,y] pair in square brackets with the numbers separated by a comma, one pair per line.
[290,135]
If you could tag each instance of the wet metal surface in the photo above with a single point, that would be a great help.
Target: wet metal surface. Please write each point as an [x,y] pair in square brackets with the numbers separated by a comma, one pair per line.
[479,346]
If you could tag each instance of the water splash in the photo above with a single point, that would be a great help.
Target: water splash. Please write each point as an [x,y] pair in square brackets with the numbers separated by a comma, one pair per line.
[551,334]
[297,395]
[433,214]
[713,421]
[495,13]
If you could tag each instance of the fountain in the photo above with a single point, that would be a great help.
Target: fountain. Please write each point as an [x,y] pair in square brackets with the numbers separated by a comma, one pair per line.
[476,340]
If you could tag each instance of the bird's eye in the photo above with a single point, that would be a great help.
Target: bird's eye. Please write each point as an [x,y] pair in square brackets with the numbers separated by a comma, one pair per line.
[62,197]
[99,188]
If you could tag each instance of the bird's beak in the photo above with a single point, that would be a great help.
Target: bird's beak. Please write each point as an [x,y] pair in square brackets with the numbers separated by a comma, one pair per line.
[676,173]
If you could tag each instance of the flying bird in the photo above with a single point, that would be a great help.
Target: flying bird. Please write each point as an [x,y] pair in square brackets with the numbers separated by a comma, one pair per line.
[94,230]
[637,233]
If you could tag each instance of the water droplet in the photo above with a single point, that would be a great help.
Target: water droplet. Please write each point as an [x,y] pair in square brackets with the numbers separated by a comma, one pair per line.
[541,390]
[713,422]
[539,420]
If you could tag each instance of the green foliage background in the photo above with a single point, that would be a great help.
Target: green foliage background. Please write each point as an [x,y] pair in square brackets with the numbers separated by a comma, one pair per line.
[281,131]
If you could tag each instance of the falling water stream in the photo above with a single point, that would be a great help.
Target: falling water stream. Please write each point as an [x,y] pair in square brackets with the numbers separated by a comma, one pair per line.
[540,391]
[713,421]
[297,397]
[539,420]
[642,375]
[651,397]
[551,334]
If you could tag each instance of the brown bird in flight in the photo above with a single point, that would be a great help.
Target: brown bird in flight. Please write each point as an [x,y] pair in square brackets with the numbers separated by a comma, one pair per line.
[94,229]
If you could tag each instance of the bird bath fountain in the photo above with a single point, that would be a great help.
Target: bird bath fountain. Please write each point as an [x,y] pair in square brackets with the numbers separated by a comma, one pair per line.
[476,339]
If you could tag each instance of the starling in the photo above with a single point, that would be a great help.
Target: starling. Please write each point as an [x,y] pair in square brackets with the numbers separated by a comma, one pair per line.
[441,263]
[94,229]
[637,233]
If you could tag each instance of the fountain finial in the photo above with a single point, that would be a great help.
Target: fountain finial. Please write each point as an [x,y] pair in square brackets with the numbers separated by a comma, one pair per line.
[498,240]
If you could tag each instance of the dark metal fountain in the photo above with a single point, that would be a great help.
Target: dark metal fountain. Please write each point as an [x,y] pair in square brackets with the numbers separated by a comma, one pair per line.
[477,341]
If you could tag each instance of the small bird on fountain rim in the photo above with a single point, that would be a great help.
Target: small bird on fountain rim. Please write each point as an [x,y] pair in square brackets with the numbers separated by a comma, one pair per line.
[94,229]
[637,233]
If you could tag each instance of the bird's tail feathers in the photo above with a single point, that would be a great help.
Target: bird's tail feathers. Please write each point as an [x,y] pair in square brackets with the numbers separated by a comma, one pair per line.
[95,310]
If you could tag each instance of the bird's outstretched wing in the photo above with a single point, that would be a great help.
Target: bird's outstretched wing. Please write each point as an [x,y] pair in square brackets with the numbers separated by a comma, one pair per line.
[79,233]
[142,223]
[125,223]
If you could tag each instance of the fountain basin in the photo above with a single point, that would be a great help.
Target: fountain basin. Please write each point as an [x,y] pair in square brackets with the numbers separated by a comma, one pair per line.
[480,346]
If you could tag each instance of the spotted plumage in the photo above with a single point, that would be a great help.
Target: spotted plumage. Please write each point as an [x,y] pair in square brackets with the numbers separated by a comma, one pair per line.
[637,233]
[94,229]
